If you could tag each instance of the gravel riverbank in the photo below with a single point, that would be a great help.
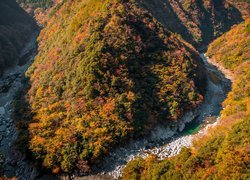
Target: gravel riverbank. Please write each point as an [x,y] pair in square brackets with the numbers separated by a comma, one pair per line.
[168,141]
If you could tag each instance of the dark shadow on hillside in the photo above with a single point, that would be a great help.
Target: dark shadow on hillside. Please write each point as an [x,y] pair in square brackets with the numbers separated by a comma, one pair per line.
[16,27]
[222,21]
[210,21]
[164,13]
[147,105]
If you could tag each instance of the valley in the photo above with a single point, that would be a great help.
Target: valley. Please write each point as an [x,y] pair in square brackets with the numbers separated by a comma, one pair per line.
[125,90]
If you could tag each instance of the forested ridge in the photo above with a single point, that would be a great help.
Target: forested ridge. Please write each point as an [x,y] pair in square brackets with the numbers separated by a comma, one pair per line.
[197,21]
[15,30]
[106,71]
[224,152]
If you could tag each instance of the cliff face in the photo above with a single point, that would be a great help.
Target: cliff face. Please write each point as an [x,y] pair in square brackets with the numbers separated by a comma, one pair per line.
[198,21]
[15,29]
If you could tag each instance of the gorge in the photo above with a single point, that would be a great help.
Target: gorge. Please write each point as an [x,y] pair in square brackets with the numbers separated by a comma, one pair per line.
[108,83]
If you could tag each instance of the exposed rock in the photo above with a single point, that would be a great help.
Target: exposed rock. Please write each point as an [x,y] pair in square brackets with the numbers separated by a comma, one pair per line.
[2,128]
[2,110]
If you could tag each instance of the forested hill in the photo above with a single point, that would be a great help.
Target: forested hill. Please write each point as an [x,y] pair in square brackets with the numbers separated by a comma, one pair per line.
[106,71]
[15,29]
[198,21]
[224,152]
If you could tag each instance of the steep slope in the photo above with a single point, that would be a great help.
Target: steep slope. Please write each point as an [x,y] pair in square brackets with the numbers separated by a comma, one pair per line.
[198,21]
[224,152]
[106,71]
[15,29]
[232,49]
[39,9]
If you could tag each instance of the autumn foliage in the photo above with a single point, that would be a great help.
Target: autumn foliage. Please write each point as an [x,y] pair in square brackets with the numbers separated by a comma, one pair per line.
[224,152]
[106,71]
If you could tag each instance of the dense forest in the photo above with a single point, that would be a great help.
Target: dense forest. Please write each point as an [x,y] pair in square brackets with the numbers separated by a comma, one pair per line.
[15,30]
[224,152]
[236,51]
[106,71]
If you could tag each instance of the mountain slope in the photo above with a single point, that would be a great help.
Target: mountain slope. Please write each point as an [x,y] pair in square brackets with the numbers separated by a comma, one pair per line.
[15,29]
[40,9]
[198,21]
[232,49]
[224,152]
[106,71]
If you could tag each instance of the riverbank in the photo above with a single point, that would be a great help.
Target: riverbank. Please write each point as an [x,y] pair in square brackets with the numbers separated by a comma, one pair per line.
[168,141]
[228,74]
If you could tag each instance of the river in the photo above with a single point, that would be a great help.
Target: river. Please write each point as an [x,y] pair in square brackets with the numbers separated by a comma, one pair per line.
[164,141]
[168,141]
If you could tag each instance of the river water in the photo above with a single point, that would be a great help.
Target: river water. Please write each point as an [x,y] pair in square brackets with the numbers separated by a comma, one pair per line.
[164,141]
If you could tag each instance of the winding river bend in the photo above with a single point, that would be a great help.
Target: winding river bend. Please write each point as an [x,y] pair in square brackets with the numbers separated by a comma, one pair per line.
[168,141]
[163,141]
